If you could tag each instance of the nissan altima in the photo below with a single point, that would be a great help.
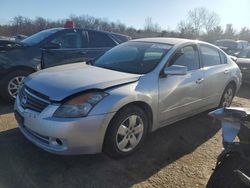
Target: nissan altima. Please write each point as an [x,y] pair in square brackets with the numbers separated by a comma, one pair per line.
[111,104]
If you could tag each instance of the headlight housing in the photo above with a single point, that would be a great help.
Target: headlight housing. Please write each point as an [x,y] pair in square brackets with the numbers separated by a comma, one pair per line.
[80,105]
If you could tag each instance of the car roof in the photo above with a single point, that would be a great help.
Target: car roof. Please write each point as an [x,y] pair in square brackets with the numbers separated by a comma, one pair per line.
[230,40]
[171,41]
[107,32]
[241,41]
[225,40]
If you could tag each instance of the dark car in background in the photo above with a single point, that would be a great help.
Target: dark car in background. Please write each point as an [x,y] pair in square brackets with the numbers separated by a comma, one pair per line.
[49,48]
[232,47]
[5,44]
[243,61]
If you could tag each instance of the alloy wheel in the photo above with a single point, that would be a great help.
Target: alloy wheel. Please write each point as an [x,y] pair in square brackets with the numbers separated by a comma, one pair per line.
[129,133]
[14,85]
[228,97]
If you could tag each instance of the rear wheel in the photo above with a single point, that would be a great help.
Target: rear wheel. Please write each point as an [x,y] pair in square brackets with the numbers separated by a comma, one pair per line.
[227,96]
[126,132]
[12,83]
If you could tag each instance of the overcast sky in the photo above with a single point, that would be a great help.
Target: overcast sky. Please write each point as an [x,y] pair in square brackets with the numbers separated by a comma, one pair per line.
[167,13]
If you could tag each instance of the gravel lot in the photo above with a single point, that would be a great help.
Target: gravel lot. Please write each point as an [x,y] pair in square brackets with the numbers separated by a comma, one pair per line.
[180,155]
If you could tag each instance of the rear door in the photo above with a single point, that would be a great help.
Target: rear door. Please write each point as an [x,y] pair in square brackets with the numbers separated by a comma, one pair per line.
[72,48]
[216,74]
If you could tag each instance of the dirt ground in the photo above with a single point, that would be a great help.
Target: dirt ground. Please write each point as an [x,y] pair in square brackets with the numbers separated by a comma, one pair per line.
[180,155]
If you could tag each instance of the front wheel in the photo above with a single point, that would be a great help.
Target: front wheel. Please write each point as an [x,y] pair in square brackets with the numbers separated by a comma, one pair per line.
[126,132]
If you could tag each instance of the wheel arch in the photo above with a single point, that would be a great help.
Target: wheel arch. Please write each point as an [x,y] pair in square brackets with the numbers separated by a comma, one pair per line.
[106,139]
[145,107]
[234,84]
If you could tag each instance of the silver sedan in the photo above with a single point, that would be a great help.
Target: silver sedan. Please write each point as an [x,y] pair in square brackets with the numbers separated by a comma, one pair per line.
[135,88]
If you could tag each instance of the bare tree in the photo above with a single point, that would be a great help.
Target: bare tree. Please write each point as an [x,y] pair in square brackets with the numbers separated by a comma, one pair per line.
[212,20]
[200,20]
[21,25]
[40,23]
[150,26]
[196,18]
[186,30]
[213,34]
[200,23]
[244,34]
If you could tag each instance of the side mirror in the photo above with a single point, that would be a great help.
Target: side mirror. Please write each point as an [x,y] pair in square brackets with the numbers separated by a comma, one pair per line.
[52,45]
[234,58]
[175,70]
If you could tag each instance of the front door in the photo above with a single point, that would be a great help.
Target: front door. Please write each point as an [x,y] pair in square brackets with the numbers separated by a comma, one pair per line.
[180,95]
[71,49]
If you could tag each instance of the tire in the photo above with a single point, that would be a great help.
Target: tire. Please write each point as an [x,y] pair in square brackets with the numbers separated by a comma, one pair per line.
[227,96]
[224,175]
[15,77]
[126,132]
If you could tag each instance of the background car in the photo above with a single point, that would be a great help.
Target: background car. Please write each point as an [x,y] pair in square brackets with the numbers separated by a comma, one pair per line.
[60,45]
[243,61]
[19,38]
[136,87]
[7,44]
[232,47]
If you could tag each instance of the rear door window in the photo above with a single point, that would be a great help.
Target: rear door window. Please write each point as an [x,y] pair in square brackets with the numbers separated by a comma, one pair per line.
[210,56]
[100,40]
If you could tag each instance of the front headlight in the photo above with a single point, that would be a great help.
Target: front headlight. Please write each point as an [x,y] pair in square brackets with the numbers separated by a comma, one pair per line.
[80,105]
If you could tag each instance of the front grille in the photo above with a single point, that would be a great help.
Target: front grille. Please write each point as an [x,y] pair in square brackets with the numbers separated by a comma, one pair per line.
[32,100]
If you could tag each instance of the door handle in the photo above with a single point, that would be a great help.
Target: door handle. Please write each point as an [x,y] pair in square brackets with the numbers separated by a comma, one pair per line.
[199,80]
[226,71]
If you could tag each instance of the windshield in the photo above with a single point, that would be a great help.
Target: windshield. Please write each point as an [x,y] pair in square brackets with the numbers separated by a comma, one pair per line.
[38,37]
[133,57]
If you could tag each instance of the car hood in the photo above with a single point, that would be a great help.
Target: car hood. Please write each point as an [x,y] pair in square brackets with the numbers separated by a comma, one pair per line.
[62,81]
